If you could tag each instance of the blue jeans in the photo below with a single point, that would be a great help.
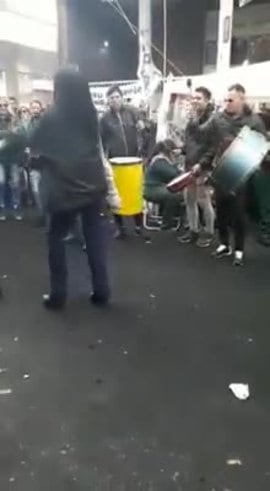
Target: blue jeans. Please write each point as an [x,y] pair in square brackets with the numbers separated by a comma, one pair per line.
[35,178]
[10,176]
[95,231]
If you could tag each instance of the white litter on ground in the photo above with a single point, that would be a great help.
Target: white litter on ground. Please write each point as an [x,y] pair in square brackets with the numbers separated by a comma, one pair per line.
[175,476]
[5,392]
[241,391]
[234,462]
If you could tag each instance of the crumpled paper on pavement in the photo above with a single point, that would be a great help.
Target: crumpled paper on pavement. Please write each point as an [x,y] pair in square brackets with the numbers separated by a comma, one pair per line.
[240,391]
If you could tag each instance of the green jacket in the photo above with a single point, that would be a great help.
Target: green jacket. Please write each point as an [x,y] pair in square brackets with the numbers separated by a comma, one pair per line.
[159,173]
[14,140]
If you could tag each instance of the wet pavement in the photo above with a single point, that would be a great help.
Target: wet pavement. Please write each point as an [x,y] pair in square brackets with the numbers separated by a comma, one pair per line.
[135,397]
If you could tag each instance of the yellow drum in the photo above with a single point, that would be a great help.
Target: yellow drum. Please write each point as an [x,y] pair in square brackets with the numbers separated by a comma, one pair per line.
[128,175]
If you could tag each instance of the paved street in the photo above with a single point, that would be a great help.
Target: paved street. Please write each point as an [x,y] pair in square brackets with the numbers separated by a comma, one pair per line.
[136,397]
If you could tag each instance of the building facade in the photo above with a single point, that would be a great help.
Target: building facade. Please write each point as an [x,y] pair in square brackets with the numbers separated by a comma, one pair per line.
[251,36]
[28,46]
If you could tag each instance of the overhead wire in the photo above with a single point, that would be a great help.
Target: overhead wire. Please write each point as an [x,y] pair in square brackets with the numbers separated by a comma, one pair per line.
[118,7]
[115,4]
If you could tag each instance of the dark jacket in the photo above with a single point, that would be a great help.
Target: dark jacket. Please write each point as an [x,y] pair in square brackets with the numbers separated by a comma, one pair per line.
[119,133]
[196,143]
[222,129]
[5,121]
[12,145]
[33,124]
[147,139]
[67,140]
[72,168]
[26,130]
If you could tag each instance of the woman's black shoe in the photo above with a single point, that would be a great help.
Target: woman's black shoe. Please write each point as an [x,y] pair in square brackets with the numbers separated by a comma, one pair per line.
[99,300]
[53,303]
[167,226]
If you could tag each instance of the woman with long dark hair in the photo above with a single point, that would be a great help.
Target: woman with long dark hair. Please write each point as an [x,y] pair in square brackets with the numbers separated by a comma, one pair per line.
[67,144]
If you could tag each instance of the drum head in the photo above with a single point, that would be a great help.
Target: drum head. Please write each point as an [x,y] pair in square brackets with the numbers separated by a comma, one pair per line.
[240,160]
[126,161]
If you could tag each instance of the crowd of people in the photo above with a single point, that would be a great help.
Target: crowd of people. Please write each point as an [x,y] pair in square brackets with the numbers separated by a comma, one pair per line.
[61,158]
[208,134]
[16,176]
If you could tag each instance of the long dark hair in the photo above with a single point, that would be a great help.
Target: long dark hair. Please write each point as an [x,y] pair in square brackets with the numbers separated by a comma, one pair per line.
[165,146]
[73,101]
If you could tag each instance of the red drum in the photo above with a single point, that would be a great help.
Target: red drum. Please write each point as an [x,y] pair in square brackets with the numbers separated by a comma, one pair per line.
[181,182]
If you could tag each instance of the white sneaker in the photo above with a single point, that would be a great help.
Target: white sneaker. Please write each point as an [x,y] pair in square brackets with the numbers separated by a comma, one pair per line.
[238,258]
[222,251]
[18,217]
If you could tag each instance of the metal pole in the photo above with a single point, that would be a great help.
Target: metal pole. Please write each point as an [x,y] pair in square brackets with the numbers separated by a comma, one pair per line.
[62,32]
[224,35]
[165,38]
[145,30]
[145,42]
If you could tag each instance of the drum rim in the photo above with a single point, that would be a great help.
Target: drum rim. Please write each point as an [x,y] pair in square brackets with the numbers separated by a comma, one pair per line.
[129,161]
[184,174]
[233,143]
[241,183]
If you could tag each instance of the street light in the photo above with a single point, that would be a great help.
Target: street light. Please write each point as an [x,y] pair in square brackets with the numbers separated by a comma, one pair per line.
[104,48]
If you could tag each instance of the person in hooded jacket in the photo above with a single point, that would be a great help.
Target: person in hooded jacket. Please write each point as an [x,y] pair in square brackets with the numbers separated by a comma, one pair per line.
[73,182]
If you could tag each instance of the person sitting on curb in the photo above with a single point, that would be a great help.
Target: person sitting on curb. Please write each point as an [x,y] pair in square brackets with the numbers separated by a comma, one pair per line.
[160,171]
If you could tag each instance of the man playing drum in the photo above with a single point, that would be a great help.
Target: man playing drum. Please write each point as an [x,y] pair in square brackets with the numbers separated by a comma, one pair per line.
[222,129]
